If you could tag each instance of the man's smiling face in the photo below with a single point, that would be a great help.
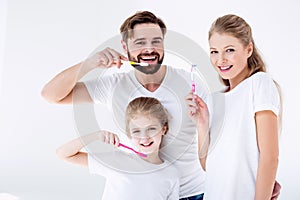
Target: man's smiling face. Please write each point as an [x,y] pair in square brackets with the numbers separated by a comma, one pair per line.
[146,46]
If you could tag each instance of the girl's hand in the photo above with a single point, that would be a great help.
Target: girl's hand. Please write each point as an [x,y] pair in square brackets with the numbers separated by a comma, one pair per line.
[109,138]
[197,111]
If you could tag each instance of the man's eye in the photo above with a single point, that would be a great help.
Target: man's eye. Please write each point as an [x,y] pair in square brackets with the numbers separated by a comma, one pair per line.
[156,42]
[140,43]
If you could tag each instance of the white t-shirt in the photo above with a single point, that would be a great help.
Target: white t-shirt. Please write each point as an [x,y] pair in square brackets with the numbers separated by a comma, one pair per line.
[159,182]
[233,157]
[179,145]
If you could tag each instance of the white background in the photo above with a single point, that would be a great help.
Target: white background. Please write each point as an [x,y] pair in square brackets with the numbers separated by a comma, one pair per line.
[38,39]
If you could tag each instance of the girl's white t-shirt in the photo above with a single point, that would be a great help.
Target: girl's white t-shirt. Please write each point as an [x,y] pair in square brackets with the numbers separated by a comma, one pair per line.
[154,181]
[233,157]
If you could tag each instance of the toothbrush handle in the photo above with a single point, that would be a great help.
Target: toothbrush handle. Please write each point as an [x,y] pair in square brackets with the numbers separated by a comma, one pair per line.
[193,87]
[127,147]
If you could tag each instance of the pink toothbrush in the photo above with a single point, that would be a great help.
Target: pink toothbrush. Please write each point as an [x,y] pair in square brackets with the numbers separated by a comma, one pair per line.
[138,153]
[193,68]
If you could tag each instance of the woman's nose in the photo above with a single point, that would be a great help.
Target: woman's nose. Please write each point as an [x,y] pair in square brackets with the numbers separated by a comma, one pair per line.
[221,59]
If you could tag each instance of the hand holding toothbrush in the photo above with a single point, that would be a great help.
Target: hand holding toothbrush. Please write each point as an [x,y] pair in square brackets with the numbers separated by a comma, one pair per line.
[109,58]
[105,59]
[111,138]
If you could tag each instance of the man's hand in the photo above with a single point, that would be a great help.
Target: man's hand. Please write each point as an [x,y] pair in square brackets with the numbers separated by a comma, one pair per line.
[105,59]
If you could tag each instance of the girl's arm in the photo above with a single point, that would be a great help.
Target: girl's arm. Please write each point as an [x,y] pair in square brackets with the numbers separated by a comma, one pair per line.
[267,141]
[71,151]
[198,112]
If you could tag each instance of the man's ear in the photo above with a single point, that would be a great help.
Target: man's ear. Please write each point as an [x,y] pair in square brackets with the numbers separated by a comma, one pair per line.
[124,47]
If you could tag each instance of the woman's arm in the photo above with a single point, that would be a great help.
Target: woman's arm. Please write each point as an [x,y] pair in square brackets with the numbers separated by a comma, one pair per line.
[199,114]
[267,141]
[71,151]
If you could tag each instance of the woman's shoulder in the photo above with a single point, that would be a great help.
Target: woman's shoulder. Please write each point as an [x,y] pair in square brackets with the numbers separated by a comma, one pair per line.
[261,76]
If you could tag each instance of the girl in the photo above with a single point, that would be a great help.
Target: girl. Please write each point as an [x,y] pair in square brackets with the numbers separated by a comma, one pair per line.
[243,156]
[146,123]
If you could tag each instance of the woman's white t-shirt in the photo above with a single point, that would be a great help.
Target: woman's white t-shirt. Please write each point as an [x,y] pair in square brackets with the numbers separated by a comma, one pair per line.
[233,157]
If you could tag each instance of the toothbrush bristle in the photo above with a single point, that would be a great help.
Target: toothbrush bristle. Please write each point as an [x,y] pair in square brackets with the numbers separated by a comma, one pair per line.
[139,64]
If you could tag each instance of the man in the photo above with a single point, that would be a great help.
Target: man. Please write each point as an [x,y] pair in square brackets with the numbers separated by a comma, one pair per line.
[143,41]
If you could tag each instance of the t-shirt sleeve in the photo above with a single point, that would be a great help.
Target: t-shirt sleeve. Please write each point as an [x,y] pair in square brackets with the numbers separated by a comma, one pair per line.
[96,166]
[265,94]
[101,89]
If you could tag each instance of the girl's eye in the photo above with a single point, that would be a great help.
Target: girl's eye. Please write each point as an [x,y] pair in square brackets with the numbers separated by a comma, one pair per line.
[213,52]
[152,129]
[135,132]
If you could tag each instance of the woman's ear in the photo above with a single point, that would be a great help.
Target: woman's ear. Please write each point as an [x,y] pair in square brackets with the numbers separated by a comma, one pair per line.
[250,49]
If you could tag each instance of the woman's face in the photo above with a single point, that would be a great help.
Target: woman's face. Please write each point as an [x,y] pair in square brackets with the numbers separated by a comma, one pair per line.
[229,57]
[146,133]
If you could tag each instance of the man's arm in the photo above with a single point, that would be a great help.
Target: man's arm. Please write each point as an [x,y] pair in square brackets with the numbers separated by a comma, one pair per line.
[60,88]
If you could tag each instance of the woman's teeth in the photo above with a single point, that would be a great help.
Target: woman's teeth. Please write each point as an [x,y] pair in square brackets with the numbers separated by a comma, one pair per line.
[225,67]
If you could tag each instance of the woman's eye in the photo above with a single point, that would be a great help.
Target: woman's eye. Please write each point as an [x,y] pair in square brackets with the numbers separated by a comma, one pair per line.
[213,52]
[230,50]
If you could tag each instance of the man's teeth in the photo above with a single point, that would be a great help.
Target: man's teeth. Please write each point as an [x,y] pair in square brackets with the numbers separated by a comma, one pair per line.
[149,58]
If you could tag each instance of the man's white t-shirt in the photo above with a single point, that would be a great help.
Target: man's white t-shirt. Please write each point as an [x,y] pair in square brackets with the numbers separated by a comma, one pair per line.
[179,146]
[158,181]
[232,162]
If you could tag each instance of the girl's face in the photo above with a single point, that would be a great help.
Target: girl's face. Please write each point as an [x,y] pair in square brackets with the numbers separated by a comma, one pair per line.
[229,57]
[146,134]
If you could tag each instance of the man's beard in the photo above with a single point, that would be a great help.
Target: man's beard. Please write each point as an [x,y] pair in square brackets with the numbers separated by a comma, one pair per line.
[151,68]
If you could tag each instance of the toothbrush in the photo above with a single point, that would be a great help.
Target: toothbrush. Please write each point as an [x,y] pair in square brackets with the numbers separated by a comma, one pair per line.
[141,64]
[138,153]
[193,68]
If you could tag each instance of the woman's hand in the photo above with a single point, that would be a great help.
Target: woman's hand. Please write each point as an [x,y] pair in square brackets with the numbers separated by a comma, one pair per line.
[198,111]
